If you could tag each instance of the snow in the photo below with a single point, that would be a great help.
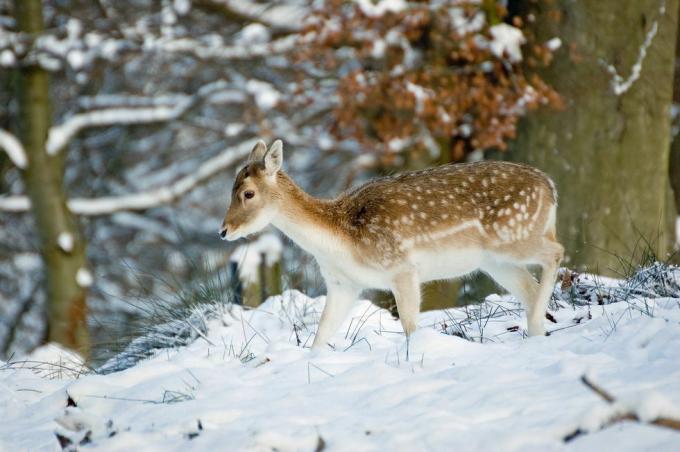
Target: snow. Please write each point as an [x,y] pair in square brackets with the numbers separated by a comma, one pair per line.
[182,7]
[75,59]
[619,84]
[65,242]
[379,47]
[249,256]
[84,277]
[7,58]
[14,149]
[266,96]
[282,15]
[233,129]
[253,384]
[464,24]
[507,40]
[554,44]
[381,7]
[253,34]
[420,94]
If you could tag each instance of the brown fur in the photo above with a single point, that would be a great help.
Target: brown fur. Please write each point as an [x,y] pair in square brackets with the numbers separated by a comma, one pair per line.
[396,232]
[510,201]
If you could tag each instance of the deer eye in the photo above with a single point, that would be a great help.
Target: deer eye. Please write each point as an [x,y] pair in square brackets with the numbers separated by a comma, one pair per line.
[249,194]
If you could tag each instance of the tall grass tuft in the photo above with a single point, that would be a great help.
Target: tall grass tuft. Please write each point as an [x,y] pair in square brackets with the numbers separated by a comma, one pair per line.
[171,321]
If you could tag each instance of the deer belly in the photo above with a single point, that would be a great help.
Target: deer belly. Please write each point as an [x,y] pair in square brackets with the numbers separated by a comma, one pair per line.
[446,263]
[356,273]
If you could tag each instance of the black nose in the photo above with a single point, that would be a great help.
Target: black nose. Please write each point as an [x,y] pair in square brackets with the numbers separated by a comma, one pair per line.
[223,233]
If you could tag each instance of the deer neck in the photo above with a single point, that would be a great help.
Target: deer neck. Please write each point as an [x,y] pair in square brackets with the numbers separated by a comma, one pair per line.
[310,222]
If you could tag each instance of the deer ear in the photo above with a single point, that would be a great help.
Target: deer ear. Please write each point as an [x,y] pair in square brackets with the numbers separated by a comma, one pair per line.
[273,159]
[257,154]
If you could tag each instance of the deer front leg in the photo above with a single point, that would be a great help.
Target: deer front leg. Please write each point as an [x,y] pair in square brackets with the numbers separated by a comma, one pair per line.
[339,302]
[406,292]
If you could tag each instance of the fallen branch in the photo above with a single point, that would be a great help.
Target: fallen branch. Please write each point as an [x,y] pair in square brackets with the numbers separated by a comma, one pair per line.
[618,416]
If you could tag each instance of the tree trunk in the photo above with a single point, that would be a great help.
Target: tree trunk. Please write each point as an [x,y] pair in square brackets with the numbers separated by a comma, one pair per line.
[674,162]
[607,153]
[66,296]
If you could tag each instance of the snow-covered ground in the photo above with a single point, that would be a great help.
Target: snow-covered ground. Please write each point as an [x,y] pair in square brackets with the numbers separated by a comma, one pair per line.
[251,384]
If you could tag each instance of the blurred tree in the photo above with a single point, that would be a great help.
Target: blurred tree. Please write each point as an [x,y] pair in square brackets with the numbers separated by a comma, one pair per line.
[150,101]
[435,78]
[674,161]
[608,151]
[61,243]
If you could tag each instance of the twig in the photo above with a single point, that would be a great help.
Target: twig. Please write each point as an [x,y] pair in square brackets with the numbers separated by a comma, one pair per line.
[666,422]
[597,390]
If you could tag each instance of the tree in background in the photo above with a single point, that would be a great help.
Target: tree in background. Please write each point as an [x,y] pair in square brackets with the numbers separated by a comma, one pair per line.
[608,151]
[150,101]
[61,244]
[442,77]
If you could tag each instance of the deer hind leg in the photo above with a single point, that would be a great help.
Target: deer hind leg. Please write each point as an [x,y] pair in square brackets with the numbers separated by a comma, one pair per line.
[551,256]
[517,280]
[406,292]
[339,302]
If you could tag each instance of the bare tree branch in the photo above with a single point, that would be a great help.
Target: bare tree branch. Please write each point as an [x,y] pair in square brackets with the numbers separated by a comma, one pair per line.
[281,15]
[236,52]
[146,199]
[617,415]
[14,149]
[59,136]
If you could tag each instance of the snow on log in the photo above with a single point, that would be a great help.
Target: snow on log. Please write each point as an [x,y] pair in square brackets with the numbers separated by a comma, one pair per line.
[13,148]
[146,199]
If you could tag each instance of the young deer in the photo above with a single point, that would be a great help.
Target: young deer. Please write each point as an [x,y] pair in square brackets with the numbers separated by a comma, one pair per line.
[398,231]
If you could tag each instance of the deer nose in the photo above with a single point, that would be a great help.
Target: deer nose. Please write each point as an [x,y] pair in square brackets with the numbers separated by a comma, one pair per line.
[223,232]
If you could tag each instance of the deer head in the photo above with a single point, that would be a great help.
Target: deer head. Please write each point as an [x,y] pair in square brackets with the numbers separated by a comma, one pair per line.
[254,199]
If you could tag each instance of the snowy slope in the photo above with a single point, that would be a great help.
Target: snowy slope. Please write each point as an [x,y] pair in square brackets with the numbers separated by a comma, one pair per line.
[248,385]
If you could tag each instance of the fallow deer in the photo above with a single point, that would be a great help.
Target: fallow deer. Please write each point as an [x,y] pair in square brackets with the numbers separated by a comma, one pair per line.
[399,231]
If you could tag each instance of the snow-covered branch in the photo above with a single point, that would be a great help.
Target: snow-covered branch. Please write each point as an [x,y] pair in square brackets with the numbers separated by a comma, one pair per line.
[618,83]
[52,52]
[652,409]
[60,135]
[236,52]
[280,15]
[14,149]
[146,199]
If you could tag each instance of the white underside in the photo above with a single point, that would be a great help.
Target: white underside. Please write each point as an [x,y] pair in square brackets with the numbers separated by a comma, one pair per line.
[346,276]
[432,265]
[339,266]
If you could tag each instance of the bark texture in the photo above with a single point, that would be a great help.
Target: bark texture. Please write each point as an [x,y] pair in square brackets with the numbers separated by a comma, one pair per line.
[67,313]
[608,153]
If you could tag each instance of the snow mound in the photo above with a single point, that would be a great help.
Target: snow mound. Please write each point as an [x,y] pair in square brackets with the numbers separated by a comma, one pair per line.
[467,379]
